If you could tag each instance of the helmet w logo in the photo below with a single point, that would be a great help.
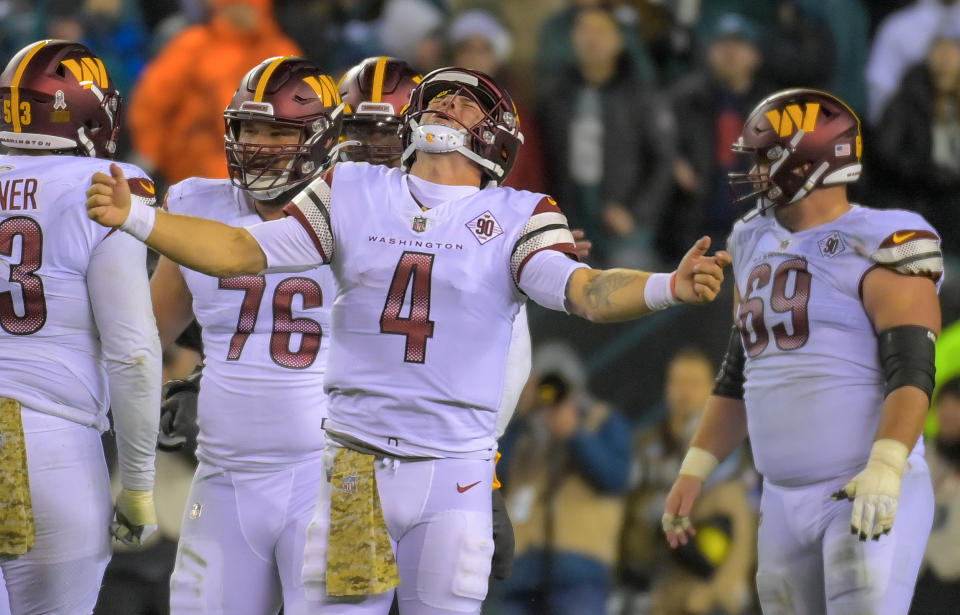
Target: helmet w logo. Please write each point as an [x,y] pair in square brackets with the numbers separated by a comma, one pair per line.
[88,71]
[791,118]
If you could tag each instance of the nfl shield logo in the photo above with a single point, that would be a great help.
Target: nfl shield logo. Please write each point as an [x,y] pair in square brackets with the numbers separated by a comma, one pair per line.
[196,510]
[349,484]
[419,224]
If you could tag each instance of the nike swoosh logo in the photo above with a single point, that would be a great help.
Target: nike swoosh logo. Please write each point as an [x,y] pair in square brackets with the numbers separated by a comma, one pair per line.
[470,486]
[898,238]
[147,186]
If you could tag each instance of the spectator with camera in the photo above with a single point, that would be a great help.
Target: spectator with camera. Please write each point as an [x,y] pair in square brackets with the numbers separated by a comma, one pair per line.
[566,460]
[711,574]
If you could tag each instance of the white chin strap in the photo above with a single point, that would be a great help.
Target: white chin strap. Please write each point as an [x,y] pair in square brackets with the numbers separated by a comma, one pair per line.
[443,139]
[257,185]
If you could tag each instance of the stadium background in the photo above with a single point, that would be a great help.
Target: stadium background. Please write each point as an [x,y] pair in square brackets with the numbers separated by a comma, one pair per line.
[660,94]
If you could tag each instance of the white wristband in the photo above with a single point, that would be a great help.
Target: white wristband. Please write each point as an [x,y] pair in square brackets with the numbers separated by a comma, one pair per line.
[658,292]
[140,220]
[699,463]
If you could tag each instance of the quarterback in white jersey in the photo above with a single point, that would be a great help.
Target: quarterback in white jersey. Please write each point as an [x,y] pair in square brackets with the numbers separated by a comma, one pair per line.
[78,337]
[430,270]
[829,371]
[265,340]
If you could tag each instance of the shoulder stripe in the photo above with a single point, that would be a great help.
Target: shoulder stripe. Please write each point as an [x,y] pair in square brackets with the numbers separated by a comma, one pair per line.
[911,253]
[901,237]
[313,203]
[546,204]
[555,236]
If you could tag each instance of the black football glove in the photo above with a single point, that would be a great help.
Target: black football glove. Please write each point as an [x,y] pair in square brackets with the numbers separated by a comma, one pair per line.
[178,413]
[503,542]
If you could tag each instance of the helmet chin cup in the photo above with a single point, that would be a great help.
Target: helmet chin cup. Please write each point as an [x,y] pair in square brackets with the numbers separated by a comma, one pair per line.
[438,138]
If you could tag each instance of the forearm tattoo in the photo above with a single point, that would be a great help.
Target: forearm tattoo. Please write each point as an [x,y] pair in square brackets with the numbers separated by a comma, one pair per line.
[597,292]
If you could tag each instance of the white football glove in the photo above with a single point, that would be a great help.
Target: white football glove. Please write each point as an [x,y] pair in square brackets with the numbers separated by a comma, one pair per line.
[876,490]
[135,518]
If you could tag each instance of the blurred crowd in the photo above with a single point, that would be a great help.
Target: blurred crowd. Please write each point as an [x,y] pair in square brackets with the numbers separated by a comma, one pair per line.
[628,108]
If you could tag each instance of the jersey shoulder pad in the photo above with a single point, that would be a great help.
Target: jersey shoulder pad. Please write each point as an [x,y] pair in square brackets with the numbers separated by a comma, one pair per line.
[545,229]
[311,207]
[198,196]
[904,242]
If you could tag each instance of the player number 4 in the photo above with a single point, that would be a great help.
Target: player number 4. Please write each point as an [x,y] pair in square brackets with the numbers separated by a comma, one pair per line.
[413,272]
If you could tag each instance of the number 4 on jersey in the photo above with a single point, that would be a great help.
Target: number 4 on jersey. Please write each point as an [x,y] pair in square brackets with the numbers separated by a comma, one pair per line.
[413,271]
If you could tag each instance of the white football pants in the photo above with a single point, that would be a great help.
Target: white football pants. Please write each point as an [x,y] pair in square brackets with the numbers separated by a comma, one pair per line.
[810,563]
[438,515]
[72,509]
[241,541]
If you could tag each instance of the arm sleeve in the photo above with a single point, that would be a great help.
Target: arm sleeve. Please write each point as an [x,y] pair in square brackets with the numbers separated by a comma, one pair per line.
[120,299]
[287,244]
[544,278]
[518,370]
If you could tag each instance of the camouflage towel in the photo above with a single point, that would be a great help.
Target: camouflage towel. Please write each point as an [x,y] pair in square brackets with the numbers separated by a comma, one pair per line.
[360,560]
[16,512]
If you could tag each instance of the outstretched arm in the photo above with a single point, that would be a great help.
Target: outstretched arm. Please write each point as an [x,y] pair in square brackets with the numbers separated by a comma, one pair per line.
[204,245]
[623,294]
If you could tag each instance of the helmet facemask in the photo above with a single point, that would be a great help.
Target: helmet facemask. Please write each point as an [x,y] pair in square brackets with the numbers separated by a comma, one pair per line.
[491,143]
[269,171]
[372,139]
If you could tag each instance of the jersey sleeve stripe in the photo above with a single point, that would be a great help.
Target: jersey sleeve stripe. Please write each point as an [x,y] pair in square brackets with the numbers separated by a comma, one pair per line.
[566,248]
[920,256]
[546,205]
[553,236]
[295,211]
[312,208]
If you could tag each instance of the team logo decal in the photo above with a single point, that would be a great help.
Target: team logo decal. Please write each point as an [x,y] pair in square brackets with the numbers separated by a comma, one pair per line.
[832,245]
[485,227]
[420,224]
[349,484]
[792,118]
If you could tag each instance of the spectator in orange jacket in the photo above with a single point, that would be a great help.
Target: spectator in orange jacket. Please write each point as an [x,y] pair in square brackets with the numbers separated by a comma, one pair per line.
[176,112]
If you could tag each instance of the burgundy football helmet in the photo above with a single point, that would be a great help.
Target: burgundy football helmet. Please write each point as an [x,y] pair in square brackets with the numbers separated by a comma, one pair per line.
[286,91]
[492,143]
[800,139]
[58,96]
[375,93]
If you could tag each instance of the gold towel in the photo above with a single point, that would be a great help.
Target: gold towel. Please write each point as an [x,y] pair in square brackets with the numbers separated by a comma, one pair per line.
[360,560]
[16,512]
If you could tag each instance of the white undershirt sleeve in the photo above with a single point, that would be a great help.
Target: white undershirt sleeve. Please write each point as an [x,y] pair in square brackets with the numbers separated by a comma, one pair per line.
[287,245]
[120,299]
[544,278]
[518,370]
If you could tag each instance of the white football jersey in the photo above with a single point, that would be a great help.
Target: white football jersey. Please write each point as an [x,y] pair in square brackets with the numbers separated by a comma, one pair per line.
[265,345]
[49,342]
[814,382]
[425,305]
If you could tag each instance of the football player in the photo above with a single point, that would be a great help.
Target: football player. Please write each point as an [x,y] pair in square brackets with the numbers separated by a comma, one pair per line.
[432,262]
[265,338]
[829,370]
[78,337]
[374,92]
